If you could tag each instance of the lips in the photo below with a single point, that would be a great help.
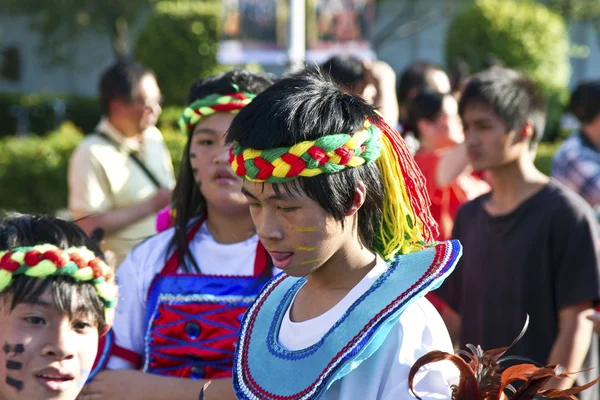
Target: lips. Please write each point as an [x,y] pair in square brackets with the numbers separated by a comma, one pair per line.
[224,176]
[473,154]
[55,380]
[281,259]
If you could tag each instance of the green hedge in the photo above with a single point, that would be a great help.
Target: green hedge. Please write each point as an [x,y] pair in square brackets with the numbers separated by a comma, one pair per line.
[526,36]
[179,42]
[33,170]
[83,111]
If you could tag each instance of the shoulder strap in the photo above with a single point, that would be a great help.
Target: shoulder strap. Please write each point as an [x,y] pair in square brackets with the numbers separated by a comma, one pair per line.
[134,158]
[173,262]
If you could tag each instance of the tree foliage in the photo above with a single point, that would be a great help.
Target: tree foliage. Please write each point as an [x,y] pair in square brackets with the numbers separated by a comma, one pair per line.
[179,42]
[577,10]
[61,22]
[525,35]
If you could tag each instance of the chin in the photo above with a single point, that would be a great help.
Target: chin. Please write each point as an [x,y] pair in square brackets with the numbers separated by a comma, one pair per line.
[231,206]
[295,272]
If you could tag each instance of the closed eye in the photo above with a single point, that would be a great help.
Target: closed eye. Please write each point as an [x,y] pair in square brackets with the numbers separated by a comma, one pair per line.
[288,209]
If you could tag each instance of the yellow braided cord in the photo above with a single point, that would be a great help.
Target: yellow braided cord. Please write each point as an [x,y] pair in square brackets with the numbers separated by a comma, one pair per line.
[46,260]
[398,232]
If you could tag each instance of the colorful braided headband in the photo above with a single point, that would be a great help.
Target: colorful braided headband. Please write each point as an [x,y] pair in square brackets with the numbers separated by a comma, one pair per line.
[47,260]
[214,103]
[326,155]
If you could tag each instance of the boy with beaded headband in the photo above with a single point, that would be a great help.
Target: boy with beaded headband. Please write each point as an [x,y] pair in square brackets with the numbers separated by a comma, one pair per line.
[340,206]
[57,297]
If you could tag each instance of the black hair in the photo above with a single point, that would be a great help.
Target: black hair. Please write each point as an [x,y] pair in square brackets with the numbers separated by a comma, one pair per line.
[308,106]
[428,105]
[415,77]
[511,95]
[458,73]
[585,101]
[189,201]
[120,81]
[491,61]
[344,70]
[70,296]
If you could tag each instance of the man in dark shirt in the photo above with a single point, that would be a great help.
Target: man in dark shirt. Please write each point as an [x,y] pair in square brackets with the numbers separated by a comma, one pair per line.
[529,244]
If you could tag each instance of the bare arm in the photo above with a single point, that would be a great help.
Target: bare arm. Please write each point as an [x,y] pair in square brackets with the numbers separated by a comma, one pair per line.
[112,221]
[452,164]
[383,77]
[573,341]
[136,385]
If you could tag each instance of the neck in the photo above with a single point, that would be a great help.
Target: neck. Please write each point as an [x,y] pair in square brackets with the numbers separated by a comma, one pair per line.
[513,183]
[123,128]
[344,269]
[425,144]
[230,227]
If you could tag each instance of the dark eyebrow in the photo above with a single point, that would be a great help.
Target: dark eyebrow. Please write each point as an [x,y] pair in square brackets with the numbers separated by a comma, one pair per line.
[482,120]
[37,303]
[205,130]
[246,193]
[276,196]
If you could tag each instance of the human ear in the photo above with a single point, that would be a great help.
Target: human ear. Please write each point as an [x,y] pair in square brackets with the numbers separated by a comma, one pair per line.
[360,194]
[115,107]
[526,130]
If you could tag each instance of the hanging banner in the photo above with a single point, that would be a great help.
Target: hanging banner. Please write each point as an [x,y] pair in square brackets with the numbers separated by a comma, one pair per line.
[255,31]
[340,27]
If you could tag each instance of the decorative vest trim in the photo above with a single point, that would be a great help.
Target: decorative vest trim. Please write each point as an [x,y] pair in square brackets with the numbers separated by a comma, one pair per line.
[264,370]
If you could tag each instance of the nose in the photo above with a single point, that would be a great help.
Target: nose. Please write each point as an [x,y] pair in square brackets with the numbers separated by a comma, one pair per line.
[222,156]
[471,137]
[60,344]
[267,226]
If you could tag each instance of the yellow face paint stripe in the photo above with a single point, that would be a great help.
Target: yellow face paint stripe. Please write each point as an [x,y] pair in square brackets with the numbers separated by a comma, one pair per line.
[303,248]
[306,229]
[309,262]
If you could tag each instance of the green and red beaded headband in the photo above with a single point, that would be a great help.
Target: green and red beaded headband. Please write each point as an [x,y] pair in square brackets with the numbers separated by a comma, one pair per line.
[214,103]
[46,260]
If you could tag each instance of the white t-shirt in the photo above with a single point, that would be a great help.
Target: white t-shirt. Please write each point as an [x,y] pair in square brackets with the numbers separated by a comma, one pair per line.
[142,264]
[384,375]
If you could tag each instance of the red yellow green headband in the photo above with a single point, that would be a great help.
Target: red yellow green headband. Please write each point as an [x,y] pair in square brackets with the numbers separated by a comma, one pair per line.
[46,260]
[214,103]
[326,155]
[407,223]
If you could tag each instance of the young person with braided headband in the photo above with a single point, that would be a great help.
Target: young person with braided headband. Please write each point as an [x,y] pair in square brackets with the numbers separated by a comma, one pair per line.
[185,289]
[57,297]
[340,206]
